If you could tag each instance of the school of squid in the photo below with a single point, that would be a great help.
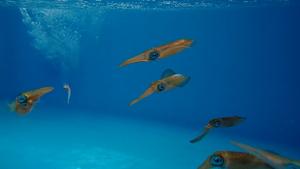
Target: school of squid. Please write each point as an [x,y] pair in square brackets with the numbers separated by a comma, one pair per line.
[248,158]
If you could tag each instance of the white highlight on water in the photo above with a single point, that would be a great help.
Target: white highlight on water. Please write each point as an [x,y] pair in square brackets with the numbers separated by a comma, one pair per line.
[57,33]
[142,4]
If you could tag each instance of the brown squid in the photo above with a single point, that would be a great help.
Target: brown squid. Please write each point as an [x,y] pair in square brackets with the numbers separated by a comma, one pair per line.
[233,160]
[275,160]
[169,80]
[160,52]
[222,122]
[25,102]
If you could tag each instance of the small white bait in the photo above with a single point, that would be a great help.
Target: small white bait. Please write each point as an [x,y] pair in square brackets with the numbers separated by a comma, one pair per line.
[69,91]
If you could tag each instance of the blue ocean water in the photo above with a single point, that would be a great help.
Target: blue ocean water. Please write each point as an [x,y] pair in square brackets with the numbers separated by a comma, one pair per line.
[244,61]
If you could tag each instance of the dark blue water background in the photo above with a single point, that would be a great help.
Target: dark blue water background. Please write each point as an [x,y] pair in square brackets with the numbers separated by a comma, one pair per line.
[245,61]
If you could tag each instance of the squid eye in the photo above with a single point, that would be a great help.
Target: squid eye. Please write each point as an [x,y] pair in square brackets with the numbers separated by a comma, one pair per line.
[217,161]
[161,87]
[153,55]
[22,99]
[217,123]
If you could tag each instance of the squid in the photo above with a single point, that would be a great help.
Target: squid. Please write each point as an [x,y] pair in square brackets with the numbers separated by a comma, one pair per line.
[159,52]
[233,160]
[275,160]
[25,102]
[222,122]
[169,80]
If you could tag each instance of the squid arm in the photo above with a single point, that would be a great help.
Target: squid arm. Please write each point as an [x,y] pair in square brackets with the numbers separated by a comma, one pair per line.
[139,58]
[296,162]
[12,106]
[148,92]
[202,135]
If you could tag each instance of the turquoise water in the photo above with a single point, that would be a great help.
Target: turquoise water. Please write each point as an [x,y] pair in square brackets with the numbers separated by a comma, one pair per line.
[244,61]
[79,141]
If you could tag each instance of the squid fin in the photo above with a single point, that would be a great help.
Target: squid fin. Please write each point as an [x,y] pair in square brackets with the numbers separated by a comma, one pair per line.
[201,136]
[172,51]
[167,73]
[186,81]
